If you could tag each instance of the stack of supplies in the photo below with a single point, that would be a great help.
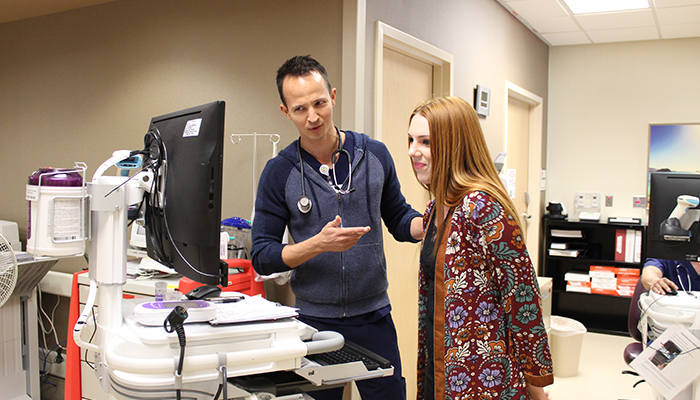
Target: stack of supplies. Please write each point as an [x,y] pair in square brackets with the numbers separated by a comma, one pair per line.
[611,281]
[603,280]
[626,281]
[578,282]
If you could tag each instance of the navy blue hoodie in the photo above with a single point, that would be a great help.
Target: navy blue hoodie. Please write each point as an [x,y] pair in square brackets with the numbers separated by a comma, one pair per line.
[332,284]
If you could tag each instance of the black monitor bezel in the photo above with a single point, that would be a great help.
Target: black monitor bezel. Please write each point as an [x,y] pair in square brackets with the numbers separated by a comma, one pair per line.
[184,232]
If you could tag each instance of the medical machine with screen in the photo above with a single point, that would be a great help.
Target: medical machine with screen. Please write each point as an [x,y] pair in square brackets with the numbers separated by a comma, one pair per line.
[673,232]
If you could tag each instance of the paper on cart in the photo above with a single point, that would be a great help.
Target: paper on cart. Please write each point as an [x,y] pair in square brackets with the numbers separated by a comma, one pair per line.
[671,362]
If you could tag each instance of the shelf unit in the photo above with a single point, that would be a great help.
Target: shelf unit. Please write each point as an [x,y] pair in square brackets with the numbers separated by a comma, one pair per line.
[599,313]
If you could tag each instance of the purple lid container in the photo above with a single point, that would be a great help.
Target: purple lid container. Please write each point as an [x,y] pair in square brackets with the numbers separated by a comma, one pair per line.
[56,177]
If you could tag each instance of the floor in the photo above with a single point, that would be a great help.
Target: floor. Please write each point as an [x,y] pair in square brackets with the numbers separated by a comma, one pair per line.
[600,373]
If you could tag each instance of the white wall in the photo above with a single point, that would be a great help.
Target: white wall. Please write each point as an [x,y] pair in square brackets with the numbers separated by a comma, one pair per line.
[602,99]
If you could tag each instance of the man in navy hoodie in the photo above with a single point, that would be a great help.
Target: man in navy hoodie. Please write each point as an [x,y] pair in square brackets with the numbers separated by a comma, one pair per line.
[333,188]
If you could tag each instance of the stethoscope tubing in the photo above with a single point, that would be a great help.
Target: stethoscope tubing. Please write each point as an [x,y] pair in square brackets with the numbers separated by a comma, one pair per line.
[304,204]
[687,275]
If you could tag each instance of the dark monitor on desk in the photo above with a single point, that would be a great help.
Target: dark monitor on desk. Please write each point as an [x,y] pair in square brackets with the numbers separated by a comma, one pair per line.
[673,232]
[183,208]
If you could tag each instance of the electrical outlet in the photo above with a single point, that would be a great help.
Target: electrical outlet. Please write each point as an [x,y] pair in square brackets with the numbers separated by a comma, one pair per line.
[639,201]
[608,201]
[47,362]
[587,201]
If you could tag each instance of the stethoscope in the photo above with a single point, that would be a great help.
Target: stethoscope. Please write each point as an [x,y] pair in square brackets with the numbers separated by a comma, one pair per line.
[304,204]
[687,275]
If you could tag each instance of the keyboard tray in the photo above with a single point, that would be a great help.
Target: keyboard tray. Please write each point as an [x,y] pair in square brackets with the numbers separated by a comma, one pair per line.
[351,352]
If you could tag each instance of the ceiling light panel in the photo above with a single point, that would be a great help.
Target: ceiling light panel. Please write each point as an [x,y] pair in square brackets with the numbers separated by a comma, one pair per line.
[597,6]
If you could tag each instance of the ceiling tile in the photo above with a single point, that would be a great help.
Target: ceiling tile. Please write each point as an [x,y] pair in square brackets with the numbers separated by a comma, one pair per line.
[678,15]
[680,31]
[551,21]
[623,35]
[622,19]
[675,3]
[537,8]
[566,38]
[554,24]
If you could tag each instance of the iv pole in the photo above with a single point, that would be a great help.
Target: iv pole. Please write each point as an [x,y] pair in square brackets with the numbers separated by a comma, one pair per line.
[274,139]
[280,277]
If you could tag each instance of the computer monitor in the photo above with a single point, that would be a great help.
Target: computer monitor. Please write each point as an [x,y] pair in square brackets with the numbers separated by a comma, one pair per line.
[673,232]
[183,209]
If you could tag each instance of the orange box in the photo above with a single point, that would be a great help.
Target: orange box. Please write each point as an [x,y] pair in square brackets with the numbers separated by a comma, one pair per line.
[602,268]
[627,272]
[627,281]
[578,283]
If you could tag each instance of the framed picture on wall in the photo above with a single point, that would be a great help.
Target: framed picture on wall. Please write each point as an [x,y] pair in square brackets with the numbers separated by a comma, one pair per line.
[674,148]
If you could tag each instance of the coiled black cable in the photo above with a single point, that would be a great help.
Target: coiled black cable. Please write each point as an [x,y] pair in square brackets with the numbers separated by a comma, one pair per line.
[175,323]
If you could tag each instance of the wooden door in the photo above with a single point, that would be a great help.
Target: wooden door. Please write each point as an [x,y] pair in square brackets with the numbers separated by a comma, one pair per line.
[407,82]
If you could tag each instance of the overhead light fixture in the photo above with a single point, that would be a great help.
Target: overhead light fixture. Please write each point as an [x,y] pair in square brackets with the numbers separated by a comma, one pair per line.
[597,6]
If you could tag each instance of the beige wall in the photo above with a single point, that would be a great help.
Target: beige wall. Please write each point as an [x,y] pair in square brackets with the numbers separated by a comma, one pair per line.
[489,47]
[77,85]
[602,99]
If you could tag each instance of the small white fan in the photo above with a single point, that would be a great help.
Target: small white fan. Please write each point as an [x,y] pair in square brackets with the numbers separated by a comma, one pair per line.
[8,270]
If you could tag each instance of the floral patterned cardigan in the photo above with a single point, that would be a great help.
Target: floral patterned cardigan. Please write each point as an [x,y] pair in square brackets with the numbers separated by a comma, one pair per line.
[491,337]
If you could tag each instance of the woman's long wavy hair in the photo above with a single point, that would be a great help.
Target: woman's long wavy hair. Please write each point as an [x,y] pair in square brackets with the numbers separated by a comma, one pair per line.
[461,162]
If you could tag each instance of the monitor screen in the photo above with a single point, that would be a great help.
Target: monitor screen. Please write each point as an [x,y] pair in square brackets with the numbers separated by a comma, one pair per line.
[183,209]
[673,232]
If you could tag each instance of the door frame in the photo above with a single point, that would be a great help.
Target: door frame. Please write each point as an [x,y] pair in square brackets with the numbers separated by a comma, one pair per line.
[534,181]
[353,62]
[394,39]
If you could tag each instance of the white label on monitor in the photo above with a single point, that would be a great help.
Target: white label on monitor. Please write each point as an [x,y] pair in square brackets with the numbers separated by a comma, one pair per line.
[192,127]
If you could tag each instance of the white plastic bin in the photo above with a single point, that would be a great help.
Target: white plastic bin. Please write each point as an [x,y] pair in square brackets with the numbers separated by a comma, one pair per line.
[566,337]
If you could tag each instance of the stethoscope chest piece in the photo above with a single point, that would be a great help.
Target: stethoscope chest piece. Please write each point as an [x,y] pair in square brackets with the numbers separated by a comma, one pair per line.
[304,204]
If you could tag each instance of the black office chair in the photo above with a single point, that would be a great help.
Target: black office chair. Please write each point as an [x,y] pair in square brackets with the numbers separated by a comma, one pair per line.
[633,349]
